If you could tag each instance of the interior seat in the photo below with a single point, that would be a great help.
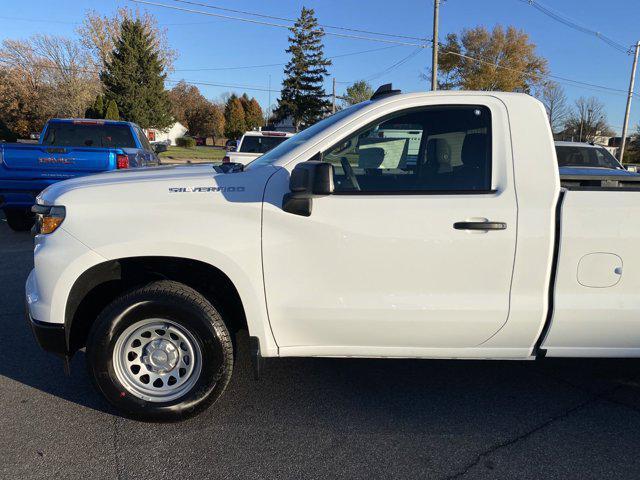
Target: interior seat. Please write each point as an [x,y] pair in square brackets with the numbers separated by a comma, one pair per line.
[473,171]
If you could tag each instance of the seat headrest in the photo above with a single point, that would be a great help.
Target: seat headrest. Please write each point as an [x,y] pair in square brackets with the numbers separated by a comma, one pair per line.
[474,150]
[439,154]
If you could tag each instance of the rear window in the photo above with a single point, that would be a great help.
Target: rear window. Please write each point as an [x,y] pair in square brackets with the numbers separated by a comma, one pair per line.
[590,157]
[260,144]
[67,134]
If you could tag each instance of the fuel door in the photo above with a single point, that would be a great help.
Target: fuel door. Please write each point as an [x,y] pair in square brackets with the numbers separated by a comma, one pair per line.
[599,270]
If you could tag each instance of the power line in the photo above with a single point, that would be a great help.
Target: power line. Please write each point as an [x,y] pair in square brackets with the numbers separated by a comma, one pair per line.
[244,67]
[388,69]
[224,85]
[205,69]
[561,79]
[558,17]
[572,82]
[168,80]
[395,65]
[272,17]
[36,20]
[271,24]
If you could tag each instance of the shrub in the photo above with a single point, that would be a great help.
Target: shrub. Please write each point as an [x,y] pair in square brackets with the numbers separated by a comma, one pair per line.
[186,142]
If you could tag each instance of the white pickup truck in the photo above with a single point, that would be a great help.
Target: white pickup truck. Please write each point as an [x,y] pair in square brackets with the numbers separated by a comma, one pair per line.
[253,144]
[333,245]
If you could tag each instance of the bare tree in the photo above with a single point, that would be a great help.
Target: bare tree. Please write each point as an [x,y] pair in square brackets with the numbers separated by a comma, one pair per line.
[555,102]
[68,72]
[588,120]
[99,32]
[42,77]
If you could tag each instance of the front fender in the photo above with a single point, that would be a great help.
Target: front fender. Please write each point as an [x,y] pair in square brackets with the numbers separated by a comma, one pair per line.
[244,271]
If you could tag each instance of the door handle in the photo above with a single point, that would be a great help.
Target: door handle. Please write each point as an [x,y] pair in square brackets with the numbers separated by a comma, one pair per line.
[485,226]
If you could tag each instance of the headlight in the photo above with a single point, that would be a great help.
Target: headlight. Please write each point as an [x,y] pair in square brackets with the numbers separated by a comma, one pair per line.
[48,218]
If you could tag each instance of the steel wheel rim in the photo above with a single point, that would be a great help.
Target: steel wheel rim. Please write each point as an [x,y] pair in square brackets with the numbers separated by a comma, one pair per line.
[157,360]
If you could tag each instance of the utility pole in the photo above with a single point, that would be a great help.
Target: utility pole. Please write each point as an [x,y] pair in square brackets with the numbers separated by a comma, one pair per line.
[629,96]
[269,104]
[434,58]
[333,97]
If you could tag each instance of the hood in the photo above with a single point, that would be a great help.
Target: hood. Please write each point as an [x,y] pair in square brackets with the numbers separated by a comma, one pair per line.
[115,177]
[158,186]
[145,179]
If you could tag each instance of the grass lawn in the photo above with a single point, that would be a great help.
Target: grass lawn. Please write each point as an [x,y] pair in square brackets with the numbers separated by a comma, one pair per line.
[196,154]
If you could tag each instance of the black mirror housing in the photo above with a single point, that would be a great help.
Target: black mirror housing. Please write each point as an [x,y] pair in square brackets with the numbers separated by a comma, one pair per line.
[313,178]
[308,179]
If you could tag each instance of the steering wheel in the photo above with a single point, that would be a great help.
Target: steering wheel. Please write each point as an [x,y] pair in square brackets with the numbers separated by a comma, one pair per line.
[348,171]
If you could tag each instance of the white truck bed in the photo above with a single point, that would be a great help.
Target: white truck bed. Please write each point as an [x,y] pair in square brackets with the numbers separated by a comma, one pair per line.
[595,300]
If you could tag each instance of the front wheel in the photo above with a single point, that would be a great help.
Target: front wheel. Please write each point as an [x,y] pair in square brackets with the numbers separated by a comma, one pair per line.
[160,353]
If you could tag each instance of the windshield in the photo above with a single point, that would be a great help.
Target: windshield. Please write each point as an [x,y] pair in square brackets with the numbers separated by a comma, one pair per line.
[589,157]
[298,139]
[259,144]
[68,134]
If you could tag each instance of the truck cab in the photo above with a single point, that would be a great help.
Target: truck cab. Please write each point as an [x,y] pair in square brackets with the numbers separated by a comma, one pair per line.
[253,144]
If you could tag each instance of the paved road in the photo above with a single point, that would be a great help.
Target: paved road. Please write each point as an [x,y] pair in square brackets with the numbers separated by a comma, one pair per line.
[316,418]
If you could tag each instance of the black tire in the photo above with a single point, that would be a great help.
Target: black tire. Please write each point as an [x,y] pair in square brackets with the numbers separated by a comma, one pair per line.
[19,219]
[191,311]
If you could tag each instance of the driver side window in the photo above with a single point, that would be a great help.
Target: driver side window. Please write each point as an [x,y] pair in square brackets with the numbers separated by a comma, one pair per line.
[429,149]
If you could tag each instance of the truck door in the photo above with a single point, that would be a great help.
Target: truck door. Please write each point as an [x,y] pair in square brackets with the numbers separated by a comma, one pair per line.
[415,249]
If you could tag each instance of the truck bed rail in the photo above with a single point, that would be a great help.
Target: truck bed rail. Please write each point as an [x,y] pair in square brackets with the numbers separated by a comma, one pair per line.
[601,182]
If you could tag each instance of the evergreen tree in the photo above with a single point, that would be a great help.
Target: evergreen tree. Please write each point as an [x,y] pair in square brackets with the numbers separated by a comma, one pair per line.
[358,92]
[235,124]
[303,96]
[244,100]
[112,111]
[97,109]
[134,78]
[253,115]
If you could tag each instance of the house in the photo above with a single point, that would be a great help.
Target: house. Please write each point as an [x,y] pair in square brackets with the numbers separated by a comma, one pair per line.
[175,131]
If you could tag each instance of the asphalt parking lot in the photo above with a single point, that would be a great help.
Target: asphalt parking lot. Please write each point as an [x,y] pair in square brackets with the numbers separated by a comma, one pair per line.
[320,418]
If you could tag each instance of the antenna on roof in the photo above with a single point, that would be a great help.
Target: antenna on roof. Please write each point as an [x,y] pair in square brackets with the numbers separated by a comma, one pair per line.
[384,91]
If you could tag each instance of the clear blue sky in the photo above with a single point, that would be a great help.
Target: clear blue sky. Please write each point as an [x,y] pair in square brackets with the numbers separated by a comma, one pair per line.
[205,42]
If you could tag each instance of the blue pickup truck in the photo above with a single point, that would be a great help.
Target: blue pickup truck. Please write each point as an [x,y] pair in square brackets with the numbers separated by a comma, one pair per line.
[67,148]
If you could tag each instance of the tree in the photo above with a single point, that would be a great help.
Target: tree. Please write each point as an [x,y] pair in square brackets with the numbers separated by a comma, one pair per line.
[358,92]
[497,60]
[632,148]
[202,117]
[97,109]
[555,102]
[253,115]
[134,78]
[235,124]
[99,34]
[42,77]
[587,120]
[244,100]
[303,96]
[112,112]
[206,120]
[184,98]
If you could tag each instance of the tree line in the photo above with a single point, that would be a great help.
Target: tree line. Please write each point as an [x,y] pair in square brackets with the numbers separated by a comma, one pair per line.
[118,69]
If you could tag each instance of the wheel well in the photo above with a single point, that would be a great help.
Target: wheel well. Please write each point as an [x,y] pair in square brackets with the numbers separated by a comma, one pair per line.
[100,285]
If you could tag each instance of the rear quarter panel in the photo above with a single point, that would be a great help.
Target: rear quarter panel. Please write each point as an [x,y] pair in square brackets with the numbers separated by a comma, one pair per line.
[596,310]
